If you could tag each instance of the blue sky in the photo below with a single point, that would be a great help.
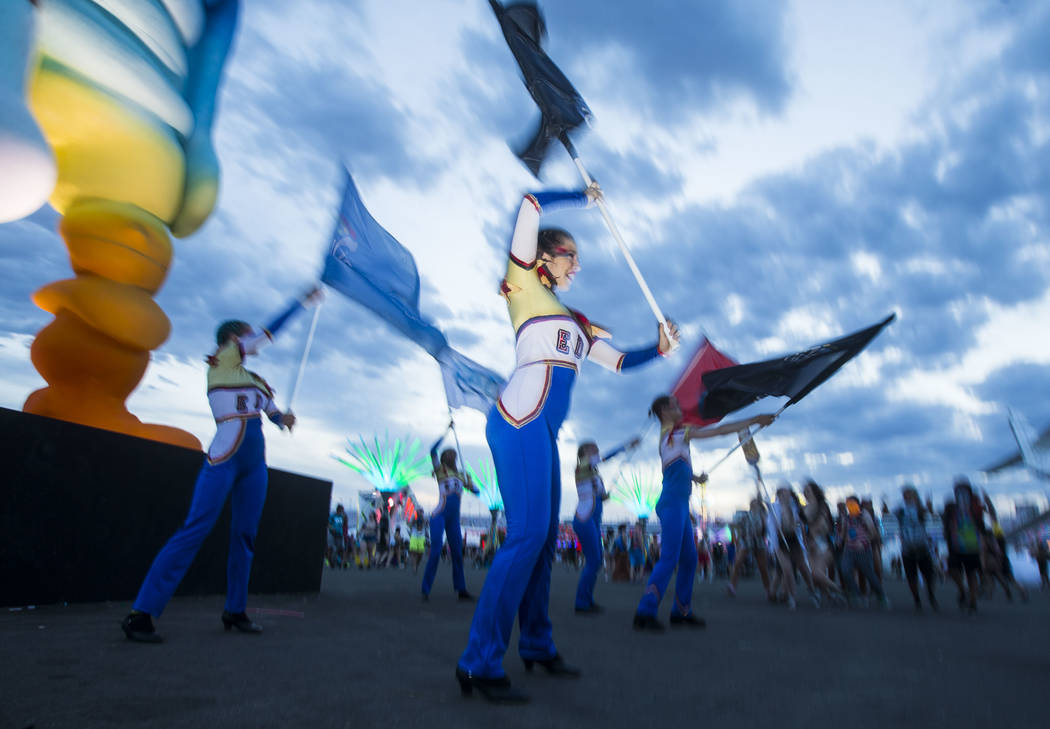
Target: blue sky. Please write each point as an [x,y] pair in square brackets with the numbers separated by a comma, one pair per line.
[784,173]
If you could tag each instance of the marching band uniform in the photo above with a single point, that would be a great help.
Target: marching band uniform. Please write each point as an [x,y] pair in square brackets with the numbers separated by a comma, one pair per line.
[235,463]
[444,522]
[587,523]
[522,432]
[676,531]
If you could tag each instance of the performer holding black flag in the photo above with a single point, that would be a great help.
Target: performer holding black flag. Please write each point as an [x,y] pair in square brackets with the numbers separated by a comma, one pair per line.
[677,548]
[235,463]
[522,432]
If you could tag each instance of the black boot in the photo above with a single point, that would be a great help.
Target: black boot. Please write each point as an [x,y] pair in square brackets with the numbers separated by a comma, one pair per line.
[496,690]
[555,666]
[647,622]
[594,609]
[139,628]
[241,621]
[466,596]
[689,621]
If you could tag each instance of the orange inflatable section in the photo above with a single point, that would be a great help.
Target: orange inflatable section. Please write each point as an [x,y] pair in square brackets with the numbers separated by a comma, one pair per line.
[98,347]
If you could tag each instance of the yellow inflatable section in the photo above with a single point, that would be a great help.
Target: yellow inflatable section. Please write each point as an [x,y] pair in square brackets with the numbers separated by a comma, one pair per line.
[122,96]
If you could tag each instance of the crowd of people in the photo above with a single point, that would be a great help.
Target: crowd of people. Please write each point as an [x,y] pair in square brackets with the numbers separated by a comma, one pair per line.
[840,558]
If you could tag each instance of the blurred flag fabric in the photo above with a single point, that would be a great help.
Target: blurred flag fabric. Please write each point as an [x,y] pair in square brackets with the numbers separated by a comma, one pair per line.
[794,376]
[690,386]
[468,384]
[562,109]
[367,264]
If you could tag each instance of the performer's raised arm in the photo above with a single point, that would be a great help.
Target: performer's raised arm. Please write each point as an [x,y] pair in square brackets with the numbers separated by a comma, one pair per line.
[253,341]
[526,228]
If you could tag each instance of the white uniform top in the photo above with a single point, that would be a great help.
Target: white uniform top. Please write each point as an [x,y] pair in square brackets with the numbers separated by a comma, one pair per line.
[674,446]
[236,395]
[450,483]
[548,334]
[590,491]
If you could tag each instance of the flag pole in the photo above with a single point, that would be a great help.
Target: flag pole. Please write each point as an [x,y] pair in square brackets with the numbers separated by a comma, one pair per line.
[455,435]
[749,437]
[306,353]
[611,225]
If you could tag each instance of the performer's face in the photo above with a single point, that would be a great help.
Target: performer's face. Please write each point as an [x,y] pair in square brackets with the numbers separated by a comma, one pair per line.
[563,263]
[673,411]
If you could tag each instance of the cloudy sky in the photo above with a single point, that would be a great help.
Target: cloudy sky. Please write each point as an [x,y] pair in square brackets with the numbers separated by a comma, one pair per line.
[784,172]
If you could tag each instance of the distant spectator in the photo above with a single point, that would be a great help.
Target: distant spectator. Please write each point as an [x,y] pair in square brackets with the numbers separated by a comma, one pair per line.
[857,531]
[962,532]
[915,549]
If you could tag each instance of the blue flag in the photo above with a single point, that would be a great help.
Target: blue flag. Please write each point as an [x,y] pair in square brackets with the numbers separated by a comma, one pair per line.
[468,384]
[367,264]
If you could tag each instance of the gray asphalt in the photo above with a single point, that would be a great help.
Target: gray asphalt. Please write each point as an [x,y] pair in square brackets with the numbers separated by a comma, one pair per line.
[366,652]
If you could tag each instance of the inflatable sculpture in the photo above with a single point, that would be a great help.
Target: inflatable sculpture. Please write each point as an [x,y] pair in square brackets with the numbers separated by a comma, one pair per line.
[106,109]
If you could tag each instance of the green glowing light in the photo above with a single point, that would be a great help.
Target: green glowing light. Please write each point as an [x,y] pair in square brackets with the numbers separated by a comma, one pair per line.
[388,465]
[637,490]
[484,477]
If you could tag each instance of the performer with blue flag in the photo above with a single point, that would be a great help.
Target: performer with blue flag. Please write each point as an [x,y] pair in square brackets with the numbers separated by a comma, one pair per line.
[236,465]
[551,343]
[444,521]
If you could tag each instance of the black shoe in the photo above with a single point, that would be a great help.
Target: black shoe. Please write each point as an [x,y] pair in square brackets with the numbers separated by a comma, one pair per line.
[594,609]
[496,690]
[426,597]
[555,666]
[139,628]
[466,596]
[241,621]
[690,620]
[647,622]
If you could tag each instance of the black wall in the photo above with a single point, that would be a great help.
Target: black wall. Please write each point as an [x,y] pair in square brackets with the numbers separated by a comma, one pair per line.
[84,511]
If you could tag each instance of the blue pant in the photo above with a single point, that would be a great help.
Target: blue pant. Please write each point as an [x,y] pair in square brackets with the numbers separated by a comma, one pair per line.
[590,536]
[676,548]
[244,474]
[519,580]
[445,525]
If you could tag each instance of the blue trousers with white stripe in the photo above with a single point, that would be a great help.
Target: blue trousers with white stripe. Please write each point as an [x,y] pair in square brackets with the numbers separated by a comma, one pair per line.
[590,535]
[677,549]
[519,580]
[445,525]
[243,476]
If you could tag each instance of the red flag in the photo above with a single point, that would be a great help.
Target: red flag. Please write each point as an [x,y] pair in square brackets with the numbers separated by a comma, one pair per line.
[690,385]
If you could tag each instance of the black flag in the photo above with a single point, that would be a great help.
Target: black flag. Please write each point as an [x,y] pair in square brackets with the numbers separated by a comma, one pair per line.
[562,109]
[795,375]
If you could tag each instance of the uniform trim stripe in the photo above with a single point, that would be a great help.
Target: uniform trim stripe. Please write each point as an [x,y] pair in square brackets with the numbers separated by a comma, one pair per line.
[535,411]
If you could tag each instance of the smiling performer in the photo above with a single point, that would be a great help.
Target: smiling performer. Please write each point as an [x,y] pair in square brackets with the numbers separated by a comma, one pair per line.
[676,528]
[444,521]
[522,432]
[235,463]
[587,521]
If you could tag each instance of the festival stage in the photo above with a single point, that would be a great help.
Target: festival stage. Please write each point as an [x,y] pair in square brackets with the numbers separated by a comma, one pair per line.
[83,512]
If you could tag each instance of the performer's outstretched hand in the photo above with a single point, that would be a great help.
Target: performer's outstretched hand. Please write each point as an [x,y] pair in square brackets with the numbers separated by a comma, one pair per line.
[288,421]
[701,479]
[668,344]
[314,296]
[764,420]
[594,193]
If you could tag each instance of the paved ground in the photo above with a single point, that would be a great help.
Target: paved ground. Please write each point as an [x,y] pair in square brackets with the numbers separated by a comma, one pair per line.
[367,653]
